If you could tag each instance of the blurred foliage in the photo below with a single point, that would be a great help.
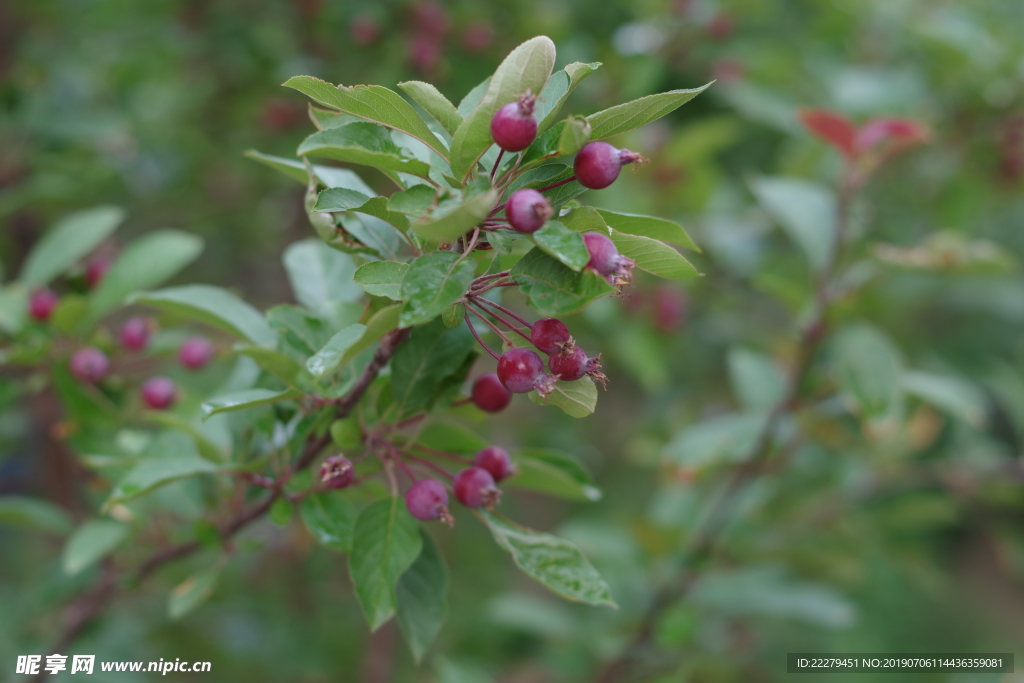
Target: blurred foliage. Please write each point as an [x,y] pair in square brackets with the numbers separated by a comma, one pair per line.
[891,524]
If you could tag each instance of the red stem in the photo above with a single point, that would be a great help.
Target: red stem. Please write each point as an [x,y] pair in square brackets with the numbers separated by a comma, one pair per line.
[497,317]
[437,468]
[469,324]
[494,328]
[504,310]
[441,454]
[496,162]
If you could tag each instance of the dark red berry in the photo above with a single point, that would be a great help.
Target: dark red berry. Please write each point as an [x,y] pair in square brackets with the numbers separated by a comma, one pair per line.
[365,30]
[522,371]
[474,487]
[513,127]
[478,37]
[195,352]
[89,365]
[427,499]
[337,472]
[489,394]
[606,260]
[528,210]
[572,364]
[598,164]
[549,335]
[41,304]
[669,308]
[134,334]
[96,270]
[496,461]
[159,393]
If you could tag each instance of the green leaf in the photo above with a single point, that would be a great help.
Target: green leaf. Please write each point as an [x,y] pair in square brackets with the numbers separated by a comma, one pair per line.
[328,359]
[386,543]
[655,257]
[331,518]
[586,219]
[416,200]
[573,135]
[147,262]
[371,102]
[303,331]
[249,398]
[554,562]
[362,143]
[953,395]
[646,226]
[330,176]
[215,306]
[379,324]
[421,364]
[473,97]
[154,472]
[870,369]
[321,277]
[576,399]
[13,308]
[281,512]
[339,199]
[805,210]
[453,315]
[193,591]
[72,238]
[527,67]
[382,278]
[422,604]
[277,363]
[455,217]
[553,473]
[623,117]
[204,446]
[451,438]
[562,243]
[433,282]
[552,288]
[434,103]
[558,88]
[34,513]
[718,441]
[90,543]
[756,379]
[70,311]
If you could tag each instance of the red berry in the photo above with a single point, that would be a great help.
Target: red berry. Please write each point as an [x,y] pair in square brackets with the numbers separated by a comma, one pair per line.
[159,393]
[598,164]
[134,334]
[365,30]
[549,335]
[427,499]
[477,37]
[96,270]
[669,308]
[572,363]
[522,371]
[89,365]
[337,472]
[603,253]
[41,304]
[528,210]
[195,352]
[513,127]
[496,461]
[489,394]
[474,487]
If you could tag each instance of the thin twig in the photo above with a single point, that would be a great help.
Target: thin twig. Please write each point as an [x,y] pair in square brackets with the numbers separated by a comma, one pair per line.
[496,163]
[475,301]
[494,328]
[506,311]
[469,324]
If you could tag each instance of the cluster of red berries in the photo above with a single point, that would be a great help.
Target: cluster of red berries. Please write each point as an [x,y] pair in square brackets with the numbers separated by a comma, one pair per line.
[427,499]
[91,365]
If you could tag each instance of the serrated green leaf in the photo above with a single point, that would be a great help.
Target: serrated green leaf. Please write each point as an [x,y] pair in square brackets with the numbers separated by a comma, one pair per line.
[422,604]
[646,226]
[473,97]
[433,282]
[382,278]
[386,543]
[576,399]
[552,288]
[421,365]
[453,315]
[72,238]
[414,201]
[573,135]
[205,447]
[90,543]
[321,277]
[554,562]
[330,176]
[331,518]
[558,88]
[215,306]
[653,256]
[306,333]
[249,398]
[455,217]
[362,143]
[553,473]
[328,359]
[339,199]
[146,262]
[379,324]
[527,67]
[434,103]
[586,219]
[154,472]
[371,102]
[34,513]
[562,243]
[630,115]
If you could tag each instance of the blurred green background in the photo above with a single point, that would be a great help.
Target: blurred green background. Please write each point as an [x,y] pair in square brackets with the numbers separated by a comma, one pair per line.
[904,538]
